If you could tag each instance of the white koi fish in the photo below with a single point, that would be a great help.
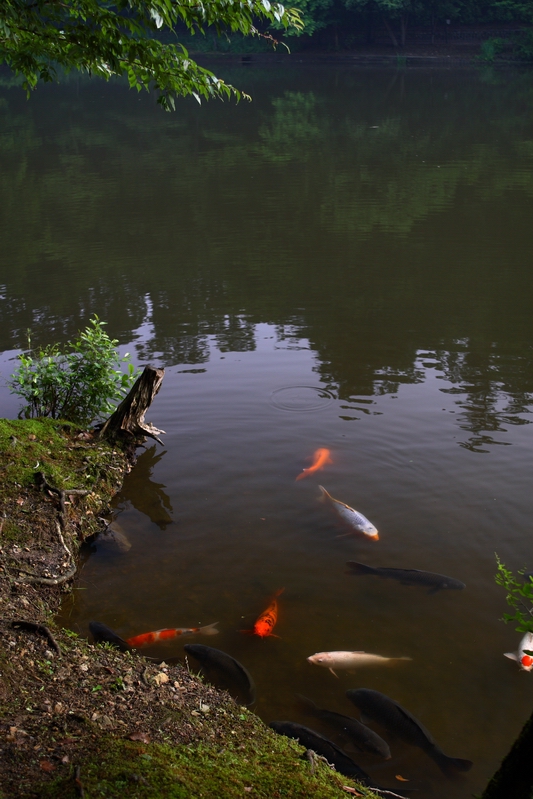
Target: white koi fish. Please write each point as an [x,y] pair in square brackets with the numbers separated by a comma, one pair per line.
[356,522]
[524,661]
[348,660]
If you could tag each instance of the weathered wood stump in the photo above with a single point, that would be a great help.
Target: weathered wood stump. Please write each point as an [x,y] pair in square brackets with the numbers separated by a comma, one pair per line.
[128,419]
[514,778]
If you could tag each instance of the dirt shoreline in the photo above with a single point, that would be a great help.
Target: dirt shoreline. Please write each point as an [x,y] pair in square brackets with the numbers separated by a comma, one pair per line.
[79,719]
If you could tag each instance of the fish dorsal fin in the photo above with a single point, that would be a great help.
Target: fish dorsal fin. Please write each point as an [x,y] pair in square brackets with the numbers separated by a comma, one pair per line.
[405,713]
[358,652]
[510,655]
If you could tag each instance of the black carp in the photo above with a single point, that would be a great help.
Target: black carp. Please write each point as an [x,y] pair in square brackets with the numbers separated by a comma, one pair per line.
[397,720]
[226,670]
[435,582]
[322,746]
[365,739]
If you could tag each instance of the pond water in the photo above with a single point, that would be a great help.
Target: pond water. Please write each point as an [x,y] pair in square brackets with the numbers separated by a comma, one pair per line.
[344,263]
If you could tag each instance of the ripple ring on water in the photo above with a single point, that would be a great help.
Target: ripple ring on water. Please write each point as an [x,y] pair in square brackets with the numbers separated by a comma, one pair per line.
[301,399]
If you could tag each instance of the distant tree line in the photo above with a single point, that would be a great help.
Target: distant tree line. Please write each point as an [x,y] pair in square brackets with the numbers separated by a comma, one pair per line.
[362,18]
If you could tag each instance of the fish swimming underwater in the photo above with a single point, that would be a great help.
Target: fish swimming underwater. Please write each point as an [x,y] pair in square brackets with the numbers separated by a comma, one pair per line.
[232,674]
[524,661]
[103,634]
[351,518]
[397,720]
[365,739]
[113,538]
[167,634]
[435,582]
[349,660]
[267,620]
[321,459]
[324,747]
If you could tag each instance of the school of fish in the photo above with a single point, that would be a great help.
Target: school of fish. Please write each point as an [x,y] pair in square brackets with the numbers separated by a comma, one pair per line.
[389,715]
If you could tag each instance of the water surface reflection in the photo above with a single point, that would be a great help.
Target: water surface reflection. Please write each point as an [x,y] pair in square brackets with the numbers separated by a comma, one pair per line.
[344,263]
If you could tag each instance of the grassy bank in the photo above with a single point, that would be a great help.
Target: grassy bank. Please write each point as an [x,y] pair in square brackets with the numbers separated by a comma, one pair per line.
[83,720]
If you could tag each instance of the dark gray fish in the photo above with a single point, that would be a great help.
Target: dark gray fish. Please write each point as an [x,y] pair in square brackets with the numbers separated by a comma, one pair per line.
[397,720]
[435,582]
[322,746]
[232,674]
[114,539]
[105,635]
[365,739]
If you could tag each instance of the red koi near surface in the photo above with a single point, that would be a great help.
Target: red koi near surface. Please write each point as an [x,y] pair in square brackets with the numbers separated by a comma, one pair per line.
[321,458]
[267,620]
[165,635]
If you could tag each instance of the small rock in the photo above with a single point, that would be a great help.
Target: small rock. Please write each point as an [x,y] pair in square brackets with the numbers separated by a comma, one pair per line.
[140,736]
[84,667]
[58,707]
[161,678]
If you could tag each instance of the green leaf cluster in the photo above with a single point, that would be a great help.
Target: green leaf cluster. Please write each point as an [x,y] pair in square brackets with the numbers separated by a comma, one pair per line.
[519,597]
[124,37]
[78,383]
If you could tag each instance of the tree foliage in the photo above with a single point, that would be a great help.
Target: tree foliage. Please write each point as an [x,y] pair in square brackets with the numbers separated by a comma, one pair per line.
[519,597]
[127,37]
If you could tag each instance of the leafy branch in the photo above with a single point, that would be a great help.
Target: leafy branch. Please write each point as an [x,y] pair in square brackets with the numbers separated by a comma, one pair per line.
[122,38]
[519,597]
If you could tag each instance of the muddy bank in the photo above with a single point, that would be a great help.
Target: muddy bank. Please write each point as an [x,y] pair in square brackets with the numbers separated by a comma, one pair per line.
[78,719]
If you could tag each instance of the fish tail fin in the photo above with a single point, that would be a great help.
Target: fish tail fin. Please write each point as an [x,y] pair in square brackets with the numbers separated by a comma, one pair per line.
[402,658]
[360,568]
[449,764]
[279,591]
[324,495]
[209,629]
[301,475]
[510,655]
[308,702]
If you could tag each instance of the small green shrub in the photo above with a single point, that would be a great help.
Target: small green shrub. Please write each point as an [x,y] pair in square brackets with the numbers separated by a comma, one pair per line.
[519,597]
[78,382]
[524,45]
[490,48]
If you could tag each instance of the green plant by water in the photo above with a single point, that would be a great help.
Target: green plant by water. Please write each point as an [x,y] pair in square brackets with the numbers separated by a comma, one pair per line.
[519,597]
[79,381]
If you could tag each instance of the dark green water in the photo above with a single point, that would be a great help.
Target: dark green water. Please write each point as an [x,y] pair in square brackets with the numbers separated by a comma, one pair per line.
[343,263]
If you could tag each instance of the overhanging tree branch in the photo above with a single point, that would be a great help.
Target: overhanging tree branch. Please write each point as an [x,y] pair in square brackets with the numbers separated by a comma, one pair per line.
[124,38]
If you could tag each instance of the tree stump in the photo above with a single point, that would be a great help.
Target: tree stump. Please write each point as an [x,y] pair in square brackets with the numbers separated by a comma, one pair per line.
[514,778]
[128,419]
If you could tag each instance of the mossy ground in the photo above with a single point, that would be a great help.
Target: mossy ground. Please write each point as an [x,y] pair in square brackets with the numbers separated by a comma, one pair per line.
[83,720]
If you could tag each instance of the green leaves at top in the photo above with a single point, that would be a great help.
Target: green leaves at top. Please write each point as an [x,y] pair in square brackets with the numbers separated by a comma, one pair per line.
[122,38]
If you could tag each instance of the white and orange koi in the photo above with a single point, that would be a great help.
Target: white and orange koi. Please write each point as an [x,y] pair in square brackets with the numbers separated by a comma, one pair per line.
[524,660]
[168,633]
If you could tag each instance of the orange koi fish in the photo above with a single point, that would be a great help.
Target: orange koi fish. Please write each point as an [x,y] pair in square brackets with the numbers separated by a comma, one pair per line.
[165,635]
[267,620]
[321,458]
